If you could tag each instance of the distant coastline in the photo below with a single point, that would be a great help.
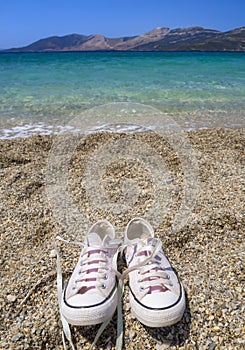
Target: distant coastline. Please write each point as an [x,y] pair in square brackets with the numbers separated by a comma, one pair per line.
[5,52]
[194,39]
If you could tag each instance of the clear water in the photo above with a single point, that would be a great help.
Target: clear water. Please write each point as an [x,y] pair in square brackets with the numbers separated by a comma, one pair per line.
[42,90]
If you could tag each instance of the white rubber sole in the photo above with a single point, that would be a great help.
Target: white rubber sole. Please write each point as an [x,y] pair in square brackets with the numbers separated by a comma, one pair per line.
[85,316]
[158,317]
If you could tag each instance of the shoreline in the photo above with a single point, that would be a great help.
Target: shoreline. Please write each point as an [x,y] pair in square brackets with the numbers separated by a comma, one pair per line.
[206,252]
[44,129]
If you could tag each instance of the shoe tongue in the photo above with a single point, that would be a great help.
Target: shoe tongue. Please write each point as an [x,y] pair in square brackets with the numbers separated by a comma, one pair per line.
[93,239]
[147,241]
[150,242]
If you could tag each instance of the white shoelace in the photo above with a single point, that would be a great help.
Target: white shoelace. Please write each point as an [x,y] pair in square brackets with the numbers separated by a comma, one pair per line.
[153,276]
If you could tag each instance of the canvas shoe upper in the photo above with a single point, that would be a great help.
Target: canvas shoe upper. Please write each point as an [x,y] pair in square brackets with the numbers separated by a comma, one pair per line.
[156,295]
[91,294]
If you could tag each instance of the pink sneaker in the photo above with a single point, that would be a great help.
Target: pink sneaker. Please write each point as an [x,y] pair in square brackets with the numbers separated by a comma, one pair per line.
[91,294]
[157,297]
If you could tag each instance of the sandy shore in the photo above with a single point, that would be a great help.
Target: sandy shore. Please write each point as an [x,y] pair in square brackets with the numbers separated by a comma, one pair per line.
[207,252]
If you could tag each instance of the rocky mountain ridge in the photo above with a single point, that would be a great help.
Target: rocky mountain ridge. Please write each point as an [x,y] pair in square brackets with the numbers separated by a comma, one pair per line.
[159,39]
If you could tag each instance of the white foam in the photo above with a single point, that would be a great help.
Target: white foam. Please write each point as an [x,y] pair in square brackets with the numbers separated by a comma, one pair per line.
[123,127]
[41,128]
[29,129]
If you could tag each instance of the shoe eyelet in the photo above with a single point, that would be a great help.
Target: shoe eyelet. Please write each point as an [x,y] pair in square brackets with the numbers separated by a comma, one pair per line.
[103,286]
[105,277]
[171,284]
[168,277]
[74,288]
[141,289]
[79,272]
[81,263]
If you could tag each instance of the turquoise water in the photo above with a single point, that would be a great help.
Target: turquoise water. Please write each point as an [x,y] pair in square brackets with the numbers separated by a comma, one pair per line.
[40,90]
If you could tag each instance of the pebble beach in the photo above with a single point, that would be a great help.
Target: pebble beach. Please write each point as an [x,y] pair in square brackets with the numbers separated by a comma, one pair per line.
[207,252]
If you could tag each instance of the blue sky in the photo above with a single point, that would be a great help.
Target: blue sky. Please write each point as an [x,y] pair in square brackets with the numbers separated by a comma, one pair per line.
[25,21]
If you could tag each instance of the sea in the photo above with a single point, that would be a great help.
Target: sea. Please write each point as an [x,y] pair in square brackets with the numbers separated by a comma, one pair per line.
[41,93]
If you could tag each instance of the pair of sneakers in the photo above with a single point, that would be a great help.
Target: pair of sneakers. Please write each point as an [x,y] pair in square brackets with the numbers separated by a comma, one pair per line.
[157,296]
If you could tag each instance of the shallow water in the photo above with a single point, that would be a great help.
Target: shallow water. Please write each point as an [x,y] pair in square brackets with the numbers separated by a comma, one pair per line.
[40,91]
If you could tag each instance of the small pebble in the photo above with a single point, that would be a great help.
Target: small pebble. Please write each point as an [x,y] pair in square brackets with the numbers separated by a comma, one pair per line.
[165,345]
[17,337]
[53,253]
[212,346]
[11,298]
[131,334]
[116,211]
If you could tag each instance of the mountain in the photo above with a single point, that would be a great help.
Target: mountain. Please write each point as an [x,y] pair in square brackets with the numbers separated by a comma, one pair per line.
[159,39]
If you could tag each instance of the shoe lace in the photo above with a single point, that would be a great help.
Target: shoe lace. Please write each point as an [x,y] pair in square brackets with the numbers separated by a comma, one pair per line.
[153,276]
[93,262]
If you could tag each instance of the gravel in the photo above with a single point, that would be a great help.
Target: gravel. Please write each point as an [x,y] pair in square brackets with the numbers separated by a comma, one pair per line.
[207,252]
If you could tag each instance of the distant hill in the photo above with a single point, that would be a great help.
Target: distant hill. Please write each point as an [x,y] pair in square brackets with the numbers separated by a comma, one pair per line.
[159,39]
